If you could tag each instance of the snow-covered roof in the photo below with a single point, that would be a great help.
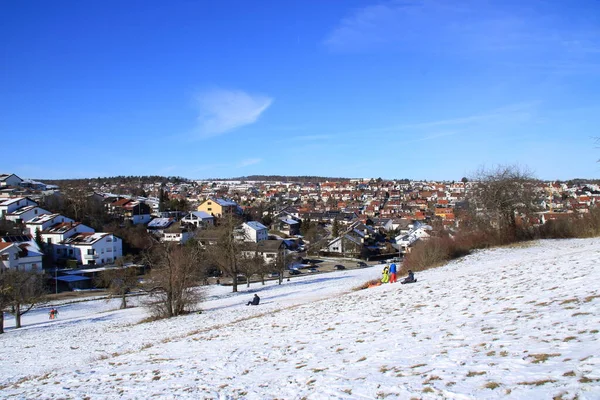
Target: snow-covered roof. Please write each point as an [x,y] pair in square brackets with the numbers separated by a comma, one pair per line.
[288,221]
[200,215]
[257,226]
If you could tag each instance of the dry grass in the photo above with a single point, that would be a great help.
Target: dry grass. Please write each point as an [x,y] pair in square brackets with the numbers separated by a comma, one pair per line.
[539,382]
[491,385]
[542,357]
[475,373]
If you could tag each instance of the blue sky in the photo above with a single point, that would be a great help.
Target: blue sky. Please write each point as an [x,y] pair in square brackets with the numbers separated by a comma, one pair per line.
[391,89]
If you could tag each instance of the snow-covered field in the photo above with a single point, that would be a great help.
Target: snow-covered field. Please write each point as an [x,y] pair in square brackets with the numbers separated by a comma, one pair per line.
[516,323]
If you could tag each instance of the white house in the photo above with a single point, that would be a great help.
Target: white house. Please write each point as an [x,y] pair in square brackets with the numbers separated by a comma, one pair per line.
[21,255]
[10,205]
[158,225]
[9,255]
[176,233]
[42,222]
[94,248]
[10,180]
[26,213]
[57,233]
[419,232]
[254,231]
[199,219]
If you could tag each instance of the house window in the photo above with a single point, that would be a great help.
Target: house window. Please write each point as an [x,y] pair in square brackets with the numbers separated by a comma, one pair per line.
[4,257]
[70,252]
[90,252]
[209,209]
[49,240]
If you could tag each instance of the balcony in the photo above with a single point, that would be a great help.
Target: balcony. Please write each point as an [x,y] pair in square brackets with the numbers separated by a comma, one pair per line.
[90,256]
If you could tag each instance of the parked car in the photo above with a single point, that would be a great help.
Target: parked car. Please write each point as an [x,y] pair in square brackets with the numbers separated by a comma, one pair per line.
[339,267]
[362,264]
[313,270]
[274,274]
[295,272]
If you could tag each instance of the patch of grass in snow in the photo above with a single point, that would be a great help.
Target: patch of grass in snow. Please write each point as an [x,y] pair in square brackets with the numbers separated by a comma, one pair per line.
[418,366]
[504,353]
[428,390]
[568,301]
[594,331]
[590,298]
[318,369]
[542,357]
[449,384]
[300,366]
[539,382]
[569,373]
[431,379]
[347,391]
[585,379]
[382,395]
[577,314]
[569,338]
[490,353]
[475,373]
[361,359]
[491,385]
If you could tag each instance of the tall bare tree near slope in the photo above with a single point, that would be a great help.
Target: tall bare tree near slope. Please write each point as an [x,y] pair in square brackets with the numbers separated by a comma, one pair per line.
[21,291]
[502,193]
[227,252]
[173,283]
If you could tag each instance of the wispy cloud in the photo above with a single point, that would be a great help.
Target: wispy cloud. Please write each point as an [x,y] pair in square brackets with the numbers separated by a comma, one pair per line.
[248,162]
[435,26]
[222,111]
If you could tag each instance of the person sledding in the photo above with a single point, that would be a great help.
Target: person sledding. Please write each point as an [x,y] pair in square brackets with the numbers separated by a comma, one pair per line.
[410,278]
[53,313]
[254,301]
[385,278]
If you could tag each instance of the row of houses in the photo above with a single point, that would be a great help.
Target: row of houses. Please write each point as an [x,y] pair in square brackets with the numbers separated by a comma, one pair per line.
[58,237]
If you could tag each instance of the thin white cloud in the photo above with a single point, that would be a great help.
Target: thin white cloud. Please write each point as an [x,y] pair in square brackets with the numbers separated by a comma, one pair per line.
[532,31]
[248,162]
[222,110]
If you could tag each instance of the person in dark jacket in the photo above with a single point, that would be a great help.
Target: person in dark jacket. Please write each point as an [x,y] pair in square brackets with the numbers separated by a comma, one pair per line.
[254,301]
[410,278]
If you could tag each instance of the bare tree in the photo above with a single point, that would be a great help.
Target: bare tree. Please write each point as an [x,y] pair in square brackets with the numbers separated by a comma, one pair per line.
[174,278]
[119,281]
[251,263]
[501,194]
[227,251]
[5,289]
[24,290]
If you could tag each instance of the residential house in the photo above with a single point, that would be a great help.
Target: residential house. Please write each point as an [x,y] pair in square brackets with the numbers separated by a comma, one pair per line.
[252,231]
[42,222]
[198,219]
[26,213]
[10,180]
[94,248]
[21,253]
[289,226]
[176,233]
[158,225]
[10,205]
[418,232]
[218,207]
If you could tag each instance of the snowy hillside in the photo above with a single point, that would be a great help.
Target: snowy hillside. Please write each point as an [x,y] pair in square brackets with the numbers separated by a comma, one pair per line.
[516,323]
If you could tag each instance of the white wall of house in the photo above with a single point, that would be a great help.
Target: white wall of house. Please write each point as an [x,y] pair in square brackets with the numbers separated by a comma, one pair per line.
[103,251]
[177,237]
[255,235]
[9,256]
